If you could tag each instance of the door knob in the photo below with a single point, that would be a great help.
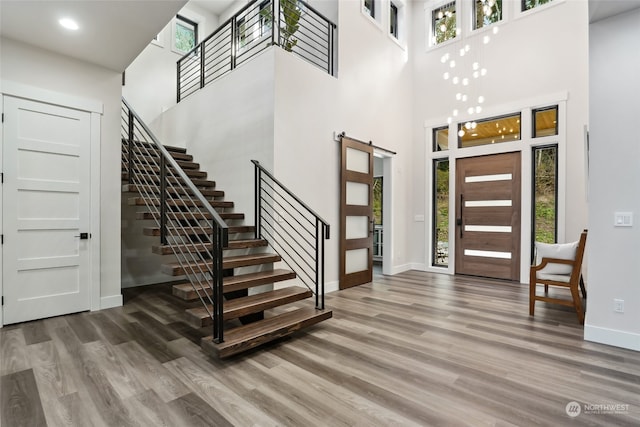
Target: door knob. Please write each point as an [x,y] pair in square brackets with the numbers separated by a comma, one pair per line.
[83,236]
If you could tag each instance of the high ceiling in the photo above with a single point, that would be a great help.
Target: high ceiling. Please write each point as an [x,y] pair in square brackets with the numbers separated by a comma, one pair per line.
[602,9]
[214,6]
[111,34]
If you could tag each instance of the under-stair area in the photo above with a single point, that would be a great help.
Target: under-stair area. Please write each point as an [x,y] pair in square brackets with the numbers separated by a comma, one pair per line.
[219,260]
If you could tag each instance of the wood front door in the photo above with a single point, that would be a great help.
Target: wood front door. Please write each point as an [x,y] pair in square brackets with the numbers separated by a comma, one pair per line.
[46,163]
[356,213]
[488,216]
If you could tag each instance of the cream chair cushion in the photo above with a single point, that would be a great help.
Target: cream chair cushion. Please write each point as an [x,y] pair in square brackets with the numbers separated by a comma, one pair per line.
[558,250]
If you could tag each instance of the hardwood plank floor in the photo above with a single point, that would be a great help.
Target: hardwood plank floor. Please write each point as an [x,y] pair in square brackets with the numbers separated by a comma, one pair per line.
[416,349]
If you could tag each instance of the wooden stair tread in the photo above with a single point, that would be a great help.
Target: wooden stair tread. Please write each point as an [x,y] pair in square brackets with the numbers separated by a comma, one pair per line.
[142,201]
[191,215]
[174,269]
[243,306]
[234,229]
[169,148]
[249,336]
[233,283]
[153,189]
[201,247]
[155,170]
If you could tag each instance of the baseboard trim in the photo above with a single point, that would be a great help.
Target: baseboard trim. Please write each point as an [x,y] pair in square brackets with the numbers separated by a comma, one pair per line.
[612,337]
[111,301]
[397,269]
[331,287]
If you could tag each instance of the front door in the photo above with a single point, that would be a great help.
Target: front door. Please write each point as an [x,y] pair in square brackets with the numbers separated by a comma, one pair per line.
[356,213]
[488,216]
[45,199]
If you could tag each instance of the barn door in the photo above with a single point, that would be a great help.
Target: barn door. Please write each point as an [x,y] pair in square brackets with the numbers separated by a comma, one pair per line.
[356,213]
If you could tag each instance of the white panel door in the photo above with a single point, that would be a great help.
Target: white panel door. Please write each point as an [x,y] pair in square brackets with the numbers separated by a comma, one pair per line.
[46,164]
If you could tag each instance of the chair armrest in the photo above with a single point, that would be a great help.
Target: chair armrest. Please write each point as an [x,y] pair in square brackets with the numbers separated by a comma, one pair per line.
[545,261]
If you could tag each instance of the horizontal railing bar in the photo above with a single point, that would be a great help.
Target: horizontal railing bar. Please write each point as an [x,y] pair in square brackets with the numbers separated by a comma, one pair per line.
[311,211]
[300,268]
[171,161]
[311,8]
[288,234]
[285,210]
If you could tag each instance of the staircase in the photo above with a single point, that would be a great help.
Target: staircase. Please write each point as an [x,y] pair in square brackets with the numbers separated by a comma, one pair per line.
[193,230]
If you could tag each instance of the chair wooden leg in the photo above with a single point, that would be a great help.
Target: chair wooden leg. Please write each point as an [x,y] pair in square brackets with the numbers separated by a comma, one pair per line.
[532,294]
[582,288]
[577,303]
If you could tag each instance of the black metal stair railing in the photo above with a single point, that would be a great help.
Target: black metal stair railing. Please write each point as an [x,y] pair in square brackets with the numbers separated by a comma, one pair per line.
[299,28]
[188,224]
[293,230]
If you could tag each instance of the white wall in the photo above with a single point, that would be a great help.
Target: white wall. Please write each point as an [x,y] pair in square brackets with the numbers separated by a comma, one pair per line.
[370,101]
[42,69]
[534,55]
[225,126]
[614,181]
[151,78]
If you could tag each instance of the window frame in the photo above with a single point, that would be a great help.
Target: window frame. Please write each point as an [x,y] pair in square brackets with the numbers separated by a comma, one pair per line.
[461,124]
[189,21]
[533,120]
[431,36]
[434,211]
[534,149]
[394,20]
[474,16]
[523,3]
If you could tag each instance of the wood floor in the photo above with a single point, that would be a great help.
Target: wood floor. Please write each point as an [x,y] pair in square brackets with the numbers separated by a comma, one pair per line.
[413,349]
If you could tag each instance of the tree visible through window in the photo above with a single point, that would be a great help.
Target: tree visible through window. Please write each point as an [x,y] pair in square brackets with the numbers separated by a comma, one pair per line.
[186,34]
[530,4]
[545,193]
[487,12]
[444,23]
[441,212]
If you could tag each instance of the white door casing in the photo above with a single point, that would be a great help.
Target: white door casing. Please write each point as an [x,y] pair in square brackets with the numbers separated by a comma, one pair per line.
[46,205]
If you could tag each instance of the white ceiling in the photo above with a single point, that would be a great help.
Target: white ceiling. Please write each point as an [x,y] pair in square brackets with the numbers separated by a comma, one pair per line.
[214,6]
[602,9]
[112,32]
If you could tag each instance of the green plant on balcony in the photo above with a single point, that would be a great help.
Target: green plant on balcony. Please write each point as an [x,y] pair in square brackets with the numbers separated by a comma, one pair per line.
[290,24]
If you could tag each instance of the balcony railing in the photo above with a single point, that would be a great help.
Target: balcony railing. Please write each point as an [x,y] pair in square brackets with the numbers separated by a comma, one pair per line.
[299,29]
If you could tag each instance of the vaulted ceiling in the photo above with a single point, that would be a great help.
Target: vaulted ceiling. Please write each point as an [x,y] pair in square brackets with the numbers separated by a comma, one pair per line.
[111,34]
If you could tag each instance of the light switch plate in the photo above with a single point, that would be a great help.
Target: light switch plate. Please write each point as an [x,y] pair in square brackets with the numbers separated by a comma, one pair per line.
[623,219]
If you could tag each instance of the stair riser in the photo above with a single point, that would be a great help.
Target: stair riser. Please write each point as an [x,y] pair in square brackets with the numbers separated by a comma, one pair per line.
[227,351]
[191,216]
[152,231]
[155,180]
[200,320]
[191,295]
[145,189]
[140,201]
[168,250]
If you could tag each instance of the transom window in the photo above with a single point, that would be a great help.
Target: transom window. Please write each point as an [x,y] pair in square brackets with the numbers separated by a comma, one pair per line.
[393,20]
[545,121]
[531,4]
[486,12]
[489,131]
[444,23]
[441,138]
[369,7]
[186,34]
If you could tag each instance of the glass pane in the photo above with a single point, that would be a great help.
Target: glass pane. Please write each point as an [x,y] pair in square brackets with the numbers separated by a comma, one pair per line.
[356,260]
[357,227]
[444,23]
[441,139]
[545,197]
[489,131]
[377,200]
[185,36]
[441,212]
[530,4]
[487,12]
[369,7]
[357,194]
[393,20]
[545,121]
[357,160]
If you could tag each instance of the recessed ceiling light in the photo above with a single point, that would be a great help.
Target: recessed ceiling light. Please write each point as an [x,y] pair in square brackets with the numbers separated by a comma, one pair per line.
[69,24]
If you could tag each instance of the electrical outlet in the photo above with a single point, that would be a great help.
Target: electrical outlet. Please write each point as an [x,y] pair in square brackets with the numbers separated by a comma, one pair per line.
[618,305]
